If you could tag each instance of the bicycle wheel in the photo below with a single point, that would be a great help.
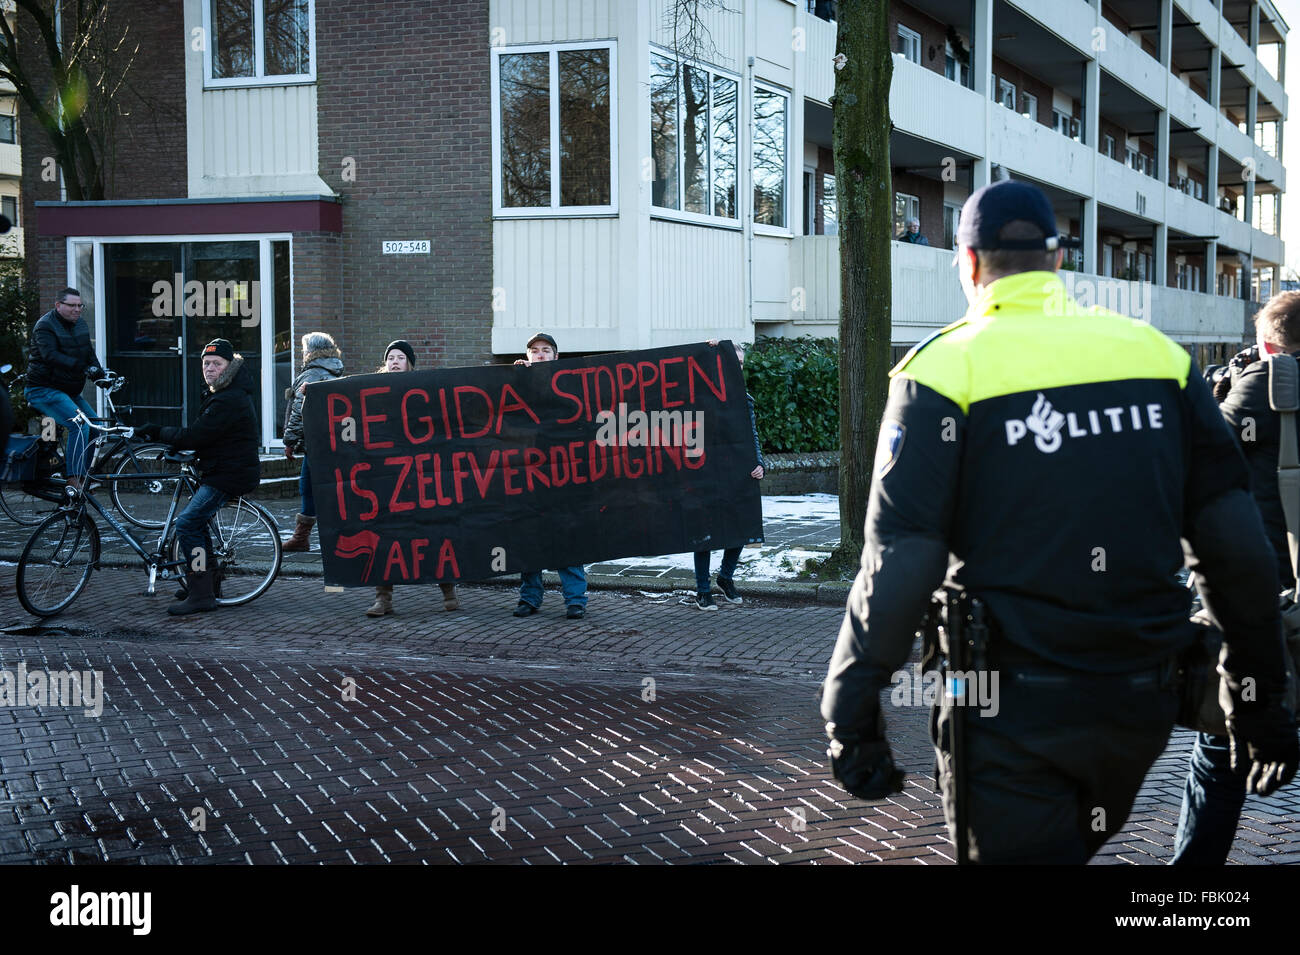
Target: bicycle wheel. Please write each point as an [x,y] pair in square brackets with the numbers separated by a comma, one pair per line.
[23,507]
[246,545]
[56,563]
[143,485]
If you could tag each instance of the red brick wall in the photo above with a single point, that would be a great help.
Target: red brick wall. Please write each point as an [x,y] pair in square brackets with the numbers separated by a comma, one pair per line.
[933,33]
[404,89]
[1025,83]
[149,160]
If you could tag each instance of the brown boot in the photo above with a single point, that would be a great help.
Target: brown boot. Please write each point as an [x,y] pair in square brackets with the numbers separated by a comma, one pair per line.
[301,539]
[383,602]
[449,601]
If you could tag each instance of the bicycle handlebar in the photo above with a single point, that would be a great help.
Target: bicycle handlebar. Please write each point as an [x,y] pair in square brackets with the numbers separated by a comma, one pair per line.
[123,430]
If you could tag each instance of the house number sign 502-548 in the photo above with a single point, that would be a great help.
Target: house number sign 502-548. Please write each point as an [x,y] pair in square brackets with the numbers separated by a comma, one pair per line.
[407,247]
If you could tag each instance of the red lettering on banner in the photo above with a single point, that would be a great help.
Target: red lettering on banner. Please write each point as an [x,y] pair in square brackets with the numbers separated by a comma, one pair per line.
[534,461]
[481,478]
[507,472]
[394,505]
[460,412]
[555,388]
[395,556]
[367,418]
[443,499]
[338,491]
[613,390]
[665,385]
[458,475]
[575,460]
[592,450]
[558,478]
[422,481]
[587,374]
[515,404]
[627,464]
[417,554]
[624,386]
[406,417]
[694,370]
[446,417]
[335,418]
[641,366]
[693,461]
[447,555]
[370,496]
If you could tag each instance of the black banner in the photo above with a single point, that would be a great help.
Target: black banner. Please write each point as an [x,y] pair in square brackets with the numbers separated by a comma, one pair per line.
[466,473]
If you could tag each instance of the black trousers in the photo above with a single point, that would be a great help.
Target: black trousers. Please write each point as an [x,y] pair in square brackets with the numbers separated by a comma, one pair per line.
[1054,773]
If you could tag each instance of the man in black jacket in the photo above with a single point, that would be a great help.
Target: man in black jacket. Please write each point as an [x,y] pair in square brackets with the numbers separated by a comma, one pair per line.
[1213,794]
[59,360]
[225,437]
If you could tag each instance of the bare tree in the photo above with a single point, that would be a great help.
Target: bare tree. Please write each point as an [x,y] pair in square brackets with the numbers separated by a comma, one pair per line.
[73,83]
[864,69]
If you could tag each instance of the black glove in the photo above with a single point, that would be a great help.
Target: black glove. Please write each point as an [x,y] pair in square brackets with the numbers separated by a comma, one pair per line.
[150,431]
[94,371]
[863,762]
[1264,736]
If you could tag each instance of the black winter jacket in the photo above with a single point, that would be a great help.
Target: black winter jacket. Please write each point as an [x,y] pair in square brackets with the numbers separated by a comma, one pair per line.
[321,366]
[1258,429]
[59,354]
[224,433]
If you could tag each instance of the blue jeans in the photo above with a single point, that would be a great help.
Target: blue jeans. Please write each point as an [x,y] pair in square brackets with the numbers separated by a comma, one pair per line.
[304,488]
[63,408]
[726,570]
[192,525]
[1212,801]
[573,582]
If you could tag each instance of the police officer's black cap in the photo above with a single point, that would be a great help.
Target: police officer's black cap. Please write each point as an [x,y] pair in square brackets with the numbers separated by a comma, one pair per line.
[990,208]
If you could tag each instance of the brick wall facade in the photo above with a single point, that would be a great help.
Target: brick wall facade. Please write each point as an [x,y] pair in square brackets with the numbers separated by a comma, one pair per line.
[404,89]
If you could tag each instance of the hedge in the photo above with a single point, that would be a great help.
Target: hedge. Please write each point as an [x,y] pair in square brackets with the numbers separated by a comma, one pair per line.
[796,389]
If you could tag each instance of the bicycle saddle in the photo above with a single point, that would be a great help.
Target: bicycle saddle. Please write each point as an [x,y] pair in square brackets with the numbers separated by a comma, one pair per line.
[180,457]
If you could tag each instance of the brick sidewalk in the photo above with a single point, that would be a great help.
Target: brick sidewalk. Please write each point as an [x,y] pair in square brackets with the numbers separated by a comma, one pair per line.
[473,736]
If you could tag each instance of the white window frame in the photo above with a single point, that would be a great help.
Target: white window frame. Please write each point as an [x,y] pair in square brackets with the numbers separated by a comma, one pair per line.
[1031,106]
[1006,90]
[761,228]
[1108,146]
[555,210]
[955,209]
[259,52]
[681,214]
[911,42]
[266,289]
[915,203]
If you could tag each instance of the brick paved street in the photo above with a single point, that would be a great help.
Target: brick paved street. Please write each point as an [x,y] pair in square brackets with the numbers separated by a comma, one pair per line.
[472,736]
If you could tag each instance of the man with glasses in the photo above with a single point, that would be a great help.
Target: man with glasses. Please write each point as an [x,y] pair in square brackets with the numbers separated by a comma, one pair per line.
[59,360]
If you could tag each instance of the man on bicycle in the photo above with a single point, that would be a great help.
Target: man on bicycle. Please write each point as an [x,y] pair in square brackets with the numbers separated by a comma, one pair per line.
[225,437]
[59,360]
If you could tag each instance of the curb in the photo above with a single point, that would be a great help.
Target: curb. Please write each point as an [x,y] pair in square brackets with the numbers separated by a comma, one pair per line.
[830,592]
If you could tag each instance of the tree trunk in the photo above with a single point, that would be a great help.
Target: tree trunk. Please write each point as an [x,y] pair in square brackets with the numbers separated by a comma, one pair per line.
[865,192]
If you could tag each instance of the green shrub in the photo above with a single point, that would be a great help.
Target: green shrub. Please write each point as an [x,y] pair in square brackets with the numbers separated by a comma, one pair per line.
[796,388]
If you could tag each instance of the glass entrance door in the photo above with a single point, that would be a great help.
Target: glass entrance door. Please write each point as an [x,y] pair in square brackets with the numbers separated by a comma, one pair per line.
[145,336]
[228,274]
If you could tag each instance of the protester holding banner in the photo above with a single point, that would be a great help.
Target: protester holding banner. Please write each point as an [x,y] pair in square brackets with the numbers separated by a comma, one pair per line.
[573,580]
[730,556]
[321,361]
[400,356]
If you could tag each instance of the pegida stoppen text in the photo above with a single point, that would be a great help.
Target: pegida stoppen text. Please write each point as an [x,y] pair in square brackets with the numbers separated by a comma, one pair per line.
[465,473]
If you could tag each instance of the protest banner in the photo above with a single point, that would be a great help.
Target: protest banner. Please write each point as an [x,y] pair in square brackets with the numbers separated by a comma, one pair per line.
[466,473]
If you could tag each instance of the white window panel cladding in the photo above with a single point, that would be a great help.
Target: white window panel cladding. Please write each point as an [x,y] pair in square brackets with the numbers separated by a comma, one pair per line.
[525,129]
[663,131]
[584,127]
[770,109]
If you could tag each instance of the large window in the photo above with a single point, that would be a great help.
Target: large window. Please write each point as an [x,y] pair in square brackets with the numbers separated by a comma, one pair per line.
[693,138]
[951,220]
[553,130]
[260,41]
[770,112]
[905,208]
[9,209]
[8,129]
[1007,93]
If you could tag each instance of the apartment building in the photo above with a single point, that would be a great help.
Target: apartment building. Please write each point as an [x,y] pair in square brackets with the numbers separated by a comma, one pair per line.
[11,244]
[464,173]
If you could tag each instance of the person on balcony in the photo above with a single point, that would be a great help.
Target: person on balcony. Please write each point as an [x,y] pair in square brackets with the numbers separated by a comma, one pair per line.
[912,234]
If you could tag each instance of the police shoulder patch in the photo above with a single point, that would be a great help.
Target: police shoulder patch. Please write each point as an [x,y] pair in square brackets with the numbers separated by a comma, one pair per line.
[889,446]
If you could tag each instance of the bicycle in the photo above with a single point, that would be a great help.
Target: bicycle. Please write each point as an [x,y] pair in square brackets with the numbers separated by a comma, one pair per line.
[141,500]
[58,559]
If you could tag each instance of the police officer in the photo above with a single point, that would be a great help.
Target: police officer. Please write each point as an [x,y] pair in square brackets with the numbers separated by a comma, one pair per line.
[1048,459]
